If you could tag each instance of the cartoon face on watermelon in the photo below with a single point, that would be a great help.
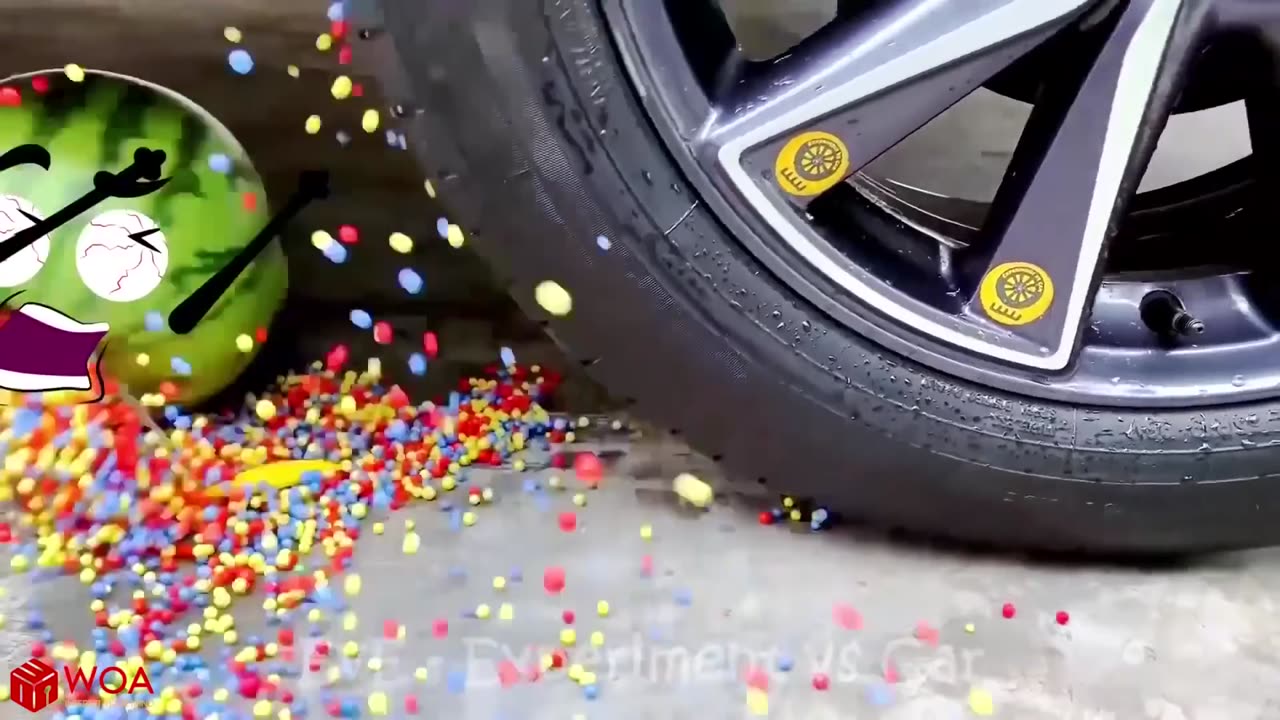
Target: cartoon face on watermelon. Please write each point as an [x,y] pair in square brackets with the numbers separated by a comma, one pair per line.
[93,296]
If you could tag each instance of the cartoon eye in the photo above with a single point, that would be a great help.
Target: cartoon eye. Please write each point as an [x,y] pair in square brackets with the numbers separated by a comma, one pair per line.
[118,267]
[23,266]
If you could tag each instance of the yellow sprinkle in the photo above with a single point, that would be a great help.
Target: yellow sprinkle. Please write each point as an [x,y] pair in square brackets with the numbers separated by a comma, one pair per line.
[455,237]
[312,126]
[379,528]
[568,636]
[499,582]
[265,409]
[262,709]
[324,41]
[468,518]
[411,543]
[378,703]
[482,611]
[597,638]
[980,702]
[506,611]
[244,343]
[420,674]
[431,189]
[349,621]
[143,359]
[369,121]
[400,242]
[757,702]
[375,664]
[969,628]
[554,482]
[602,608]
[321,239]
[232,34]
[74,72]
[692,490]
[293,71]
[351,649]
[646,532]
[351,585]
[341,87]
[553,298]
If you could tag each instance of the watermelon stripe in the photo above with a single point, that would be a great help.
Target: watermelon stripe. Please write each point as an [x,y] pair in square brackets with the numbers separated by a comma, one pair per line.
[58,104]
[125,123]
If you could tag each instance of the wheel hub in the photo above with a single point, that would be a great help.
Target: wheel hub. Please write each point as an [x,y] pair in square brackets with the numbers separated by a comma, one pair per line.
[1040,289]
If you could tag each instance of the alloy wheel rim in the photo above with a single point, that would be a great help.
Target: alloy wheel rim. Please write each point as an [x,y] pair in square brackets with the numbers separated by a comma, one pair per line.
[768,146]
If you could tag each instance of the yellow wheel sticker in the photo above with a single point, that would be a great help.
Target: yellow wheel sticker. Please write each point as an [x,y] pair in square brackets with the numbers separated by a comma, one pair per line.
[811,163]
[1016,293]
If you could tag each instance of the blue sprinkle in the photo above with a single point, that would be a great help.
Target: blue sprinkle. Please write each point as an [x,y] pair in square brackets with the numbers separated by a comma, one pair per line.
[180,366]
[442,228]
[683,597]
[241,61]
[508,357]
[603,242]
[336,12]
[336,253]
[418,364]
[361,319]
[153,321]
[880,695]
[457,682]
[410,281]
[220,163]
[591,692]
[785,663]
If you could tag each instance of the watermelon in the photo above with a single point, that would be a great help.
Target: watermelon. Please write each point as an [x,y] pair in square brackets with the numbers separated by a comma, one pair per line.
[92,272]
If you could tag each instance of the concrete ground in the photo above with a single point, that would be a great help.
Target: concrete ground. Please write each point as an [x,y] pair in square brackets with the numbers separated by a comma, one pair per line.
[906,632]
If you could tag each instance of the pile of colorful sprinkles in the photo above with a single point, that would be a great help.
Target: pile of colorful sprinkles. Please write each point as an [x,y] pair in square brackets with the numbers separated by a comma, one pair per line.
[169,529]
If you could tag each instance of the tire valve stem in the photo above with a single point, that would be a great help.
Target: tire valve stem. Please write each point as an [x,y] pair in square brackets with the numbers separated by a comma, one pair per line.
[1164,313]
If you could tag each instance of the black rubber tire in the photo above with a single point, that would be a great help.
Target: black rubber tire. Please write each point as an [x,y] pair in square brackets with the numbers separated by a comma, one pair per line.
[536,140]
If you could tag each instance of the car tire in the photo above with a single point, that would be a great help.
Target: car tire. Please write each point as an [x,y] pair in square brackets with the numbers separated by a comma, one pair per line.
[526,120]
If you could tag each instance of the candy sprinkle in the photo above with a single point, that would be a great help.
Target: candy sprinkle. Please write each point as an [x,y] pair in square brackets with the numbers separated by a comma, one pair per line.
[232,34]
[400,242]
[370,120]
[410,281]
[312,125]
[553,298]
[74,72]
[981,703]
[341,88]
[241,61]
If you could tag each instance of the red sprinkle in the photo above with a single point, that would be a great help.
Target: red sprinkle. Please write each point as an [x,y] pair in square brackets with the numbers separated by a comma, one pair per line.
[1008,611]
[390,629]
[430,344]
[553,580]
[765,517]
[846,617]
[382,332]
[440,628]
[821,681]
[10,97]
[567,616]
[568,521]
[411,704]
[588,468]
[757,679]
[40,84]
[250,201]
[348,234]
[1062,617]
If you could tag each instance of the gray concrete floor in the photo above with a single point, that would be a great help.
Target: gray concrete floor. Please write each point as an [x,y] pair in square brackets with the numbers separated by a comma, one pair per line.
[727,596]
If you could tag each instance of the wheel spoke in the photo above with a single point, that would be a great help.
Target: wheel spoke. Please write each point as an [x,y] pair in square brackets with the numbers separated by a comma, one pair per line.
[1077,166]
[867,81]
